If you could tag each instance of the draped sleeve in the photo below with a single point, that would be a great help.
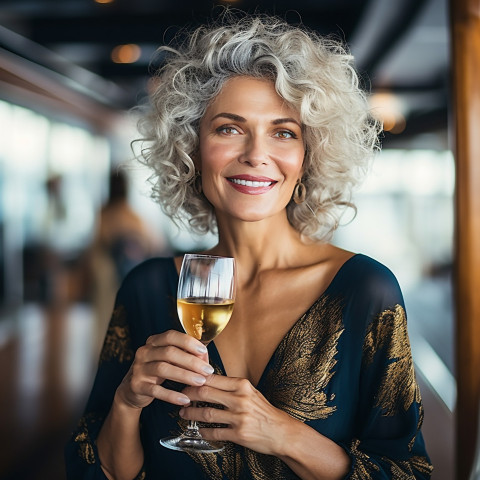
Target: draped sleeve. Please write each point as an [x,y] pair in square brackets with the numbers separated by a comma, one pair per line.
[130,325]
[388,443]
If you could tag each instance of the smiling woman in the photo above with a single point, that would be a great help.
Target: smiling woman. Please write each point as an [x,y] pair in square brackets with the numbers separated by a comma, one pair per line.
[312,75]
[258,129]
[251,151]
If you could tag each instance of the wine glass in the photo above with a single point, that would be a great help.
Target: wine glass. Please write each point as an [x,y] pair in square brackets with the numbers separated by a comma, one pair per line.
[205,297]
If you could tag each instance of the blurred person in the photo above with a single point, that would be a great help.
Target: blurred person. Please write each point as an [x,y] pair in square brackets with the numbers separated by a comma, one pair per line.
[44,258]
[259,130]
[122,241]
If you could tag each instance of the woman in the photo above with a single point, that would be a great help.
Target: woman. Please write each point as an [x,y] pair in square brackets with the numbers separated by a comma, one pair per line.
[259,130]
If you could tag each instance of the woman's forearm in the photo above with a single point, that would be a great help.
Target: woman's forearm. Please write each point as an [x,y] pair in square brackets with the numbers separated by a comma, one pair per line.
[313,456]
[119,446]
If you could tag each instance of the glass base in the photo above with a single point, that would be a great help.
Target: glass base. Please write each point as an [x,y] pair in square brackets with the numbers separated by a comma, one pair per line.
[191,442]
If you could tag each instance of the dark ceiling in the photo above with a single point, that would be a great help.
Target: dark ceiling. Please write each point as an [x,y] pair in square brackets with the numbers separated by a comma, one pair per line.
[401,46]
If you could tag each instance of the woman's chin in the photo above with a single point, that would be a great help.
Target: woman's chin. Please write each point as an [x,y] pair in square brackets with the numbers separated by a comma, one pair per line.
[252,215]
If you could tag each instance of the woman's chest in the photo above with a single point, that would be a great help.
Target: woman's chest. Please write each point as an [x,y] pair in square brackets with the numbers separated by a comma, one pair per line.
[258,325]
[313,373]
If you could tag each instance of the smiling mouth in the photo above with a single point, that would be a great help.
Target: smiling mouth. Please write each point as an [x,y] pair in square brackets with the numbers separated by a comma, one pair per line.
[250,183]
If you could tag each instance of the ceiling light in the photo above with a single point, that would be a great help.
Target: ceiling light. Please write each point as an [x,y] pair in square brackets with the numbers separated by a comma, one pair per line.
[388,108]
[128,53]
[104,1]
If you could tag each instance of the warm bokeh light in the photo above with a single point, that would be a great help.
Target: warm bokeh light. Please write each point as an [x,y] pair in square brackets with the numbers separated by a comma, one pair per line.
[388,108]
[128,53]
[399,125]
[104,1]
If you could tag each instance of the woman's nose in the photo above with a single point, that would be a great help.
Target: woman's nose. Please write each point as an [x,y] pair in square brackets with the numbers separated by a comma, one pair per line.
[255,151]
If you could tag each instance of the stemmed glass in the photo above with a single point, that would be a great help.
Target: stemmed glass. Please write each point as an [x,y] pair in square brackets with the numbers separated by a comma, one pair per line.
[205,297]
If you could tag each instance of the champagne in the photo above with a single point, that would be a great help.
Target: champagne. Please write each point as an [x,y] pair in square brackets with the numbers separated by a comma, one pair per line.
[204,318]
[205,294]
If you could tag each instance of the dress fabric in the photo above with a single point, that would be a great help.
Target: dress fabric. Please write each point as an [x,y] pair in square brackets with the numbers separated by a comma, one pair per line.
[344,368]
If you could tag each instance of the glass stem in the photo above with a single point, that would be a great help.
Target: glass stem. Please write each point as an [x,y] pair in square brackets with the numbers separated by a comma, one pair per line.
[192,428]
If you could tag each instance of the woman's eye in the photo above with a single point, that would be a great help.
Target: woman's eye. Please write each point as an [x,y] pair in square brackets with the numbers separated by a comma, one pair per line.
[284,134]
[227,130]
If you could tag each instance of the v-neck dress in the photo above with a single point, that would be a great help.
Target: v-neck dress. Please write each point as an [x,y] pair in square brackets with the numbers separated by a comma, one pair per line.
[344,368]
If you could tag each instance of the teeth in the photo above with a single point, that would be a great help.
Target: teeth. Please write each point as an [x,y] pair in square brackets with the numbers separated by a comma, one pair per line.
[249,183]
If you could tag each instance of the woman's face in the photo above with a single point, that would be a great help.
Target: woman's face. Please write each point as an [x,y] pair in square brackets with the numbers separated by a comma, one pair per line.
[251,150]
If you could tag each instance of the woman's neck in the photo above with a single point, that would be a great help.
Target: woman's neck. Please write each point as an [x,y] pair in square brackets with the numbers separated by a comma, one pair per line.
[268,244]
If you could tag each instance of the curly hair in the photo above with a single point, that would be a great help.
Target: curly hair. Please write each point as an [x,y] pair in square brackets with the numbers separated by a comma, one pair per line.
[312,73]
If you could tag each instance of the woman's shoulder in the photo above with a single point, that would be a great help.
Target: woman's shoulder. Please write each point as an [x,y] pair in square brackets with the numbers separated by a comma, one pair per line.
[150,272]
[362,265]
[369,268]
[349,266]
[364,276]
[153,264]
[146,299]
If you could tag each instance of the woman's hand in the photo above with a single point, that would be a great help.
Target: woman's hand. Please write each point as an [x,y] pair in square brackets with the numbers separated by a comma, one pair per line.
[252,421]
[167,356]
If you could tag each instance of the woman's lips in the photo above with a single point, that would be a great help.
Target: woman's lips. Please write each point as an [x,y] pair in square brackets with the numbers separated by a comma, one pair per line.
[251,185]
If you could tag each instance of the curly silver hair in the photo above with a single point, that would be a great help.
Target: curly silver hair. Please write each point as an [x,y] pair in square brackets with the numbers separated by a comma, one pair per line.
[313,74]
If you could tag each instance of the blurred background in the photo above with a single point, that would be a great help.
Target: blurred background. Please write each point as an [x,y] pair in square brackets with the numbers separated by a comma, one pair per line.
[70,72]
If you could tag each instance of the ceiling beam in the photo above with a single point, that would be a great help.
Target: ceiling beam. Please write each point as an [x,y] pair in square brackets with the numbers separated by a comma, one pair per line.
[112,29]
[383,25]
[25,52]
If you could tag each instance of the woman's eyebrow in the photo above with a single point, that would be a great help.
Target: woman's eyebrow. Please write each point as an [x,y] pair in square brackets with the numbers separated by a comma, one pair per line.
[238,118]
[279,121]
[230,116]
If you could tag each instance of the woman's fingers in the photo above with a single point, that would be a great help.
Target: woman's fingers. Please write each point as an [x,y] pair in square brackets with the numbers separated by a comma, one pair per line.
[177,349]
[218,389]
[161,393]
[237,402]
[179,339]
[206,414]
[219,434]
[155,361]
[168,356]
[251,420]
[157,372]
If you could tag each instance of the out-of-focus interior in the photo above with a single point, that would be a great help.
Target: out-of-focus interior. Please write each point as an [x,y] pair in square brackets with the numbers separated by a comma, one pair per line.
[69,75]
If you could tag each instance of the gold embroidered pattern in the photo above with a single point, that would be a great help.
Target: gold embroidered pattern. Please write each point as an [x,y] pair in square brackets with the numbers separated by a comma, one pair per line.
[304,363]
[301,368]
[266,467]
[231,462]
[363,465]
[85,444]
[82,438]
[398,387]
[117,340]
[421,464]
[402,470]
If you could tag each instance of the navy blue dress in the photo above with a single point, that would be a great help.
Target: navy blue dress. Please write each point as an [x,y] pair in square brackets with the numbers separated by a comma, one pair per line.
[344,368]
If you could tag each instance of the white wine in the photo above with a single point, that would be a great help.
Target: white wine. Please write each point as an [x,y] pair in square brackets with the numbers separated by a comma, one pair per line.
[205,294]
[204,318]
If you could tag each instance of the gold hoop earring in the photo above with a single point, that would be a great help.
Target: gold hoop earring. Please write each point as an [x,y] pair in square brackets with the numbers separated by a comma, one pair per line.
[197,183]
[299,193]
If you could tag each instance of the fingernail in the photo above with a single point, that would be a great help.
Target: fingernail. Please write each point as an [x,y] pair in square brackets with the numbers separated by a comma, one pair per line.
[181,412]
[208,369]
[184,400]
[200,380]
[202,349]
